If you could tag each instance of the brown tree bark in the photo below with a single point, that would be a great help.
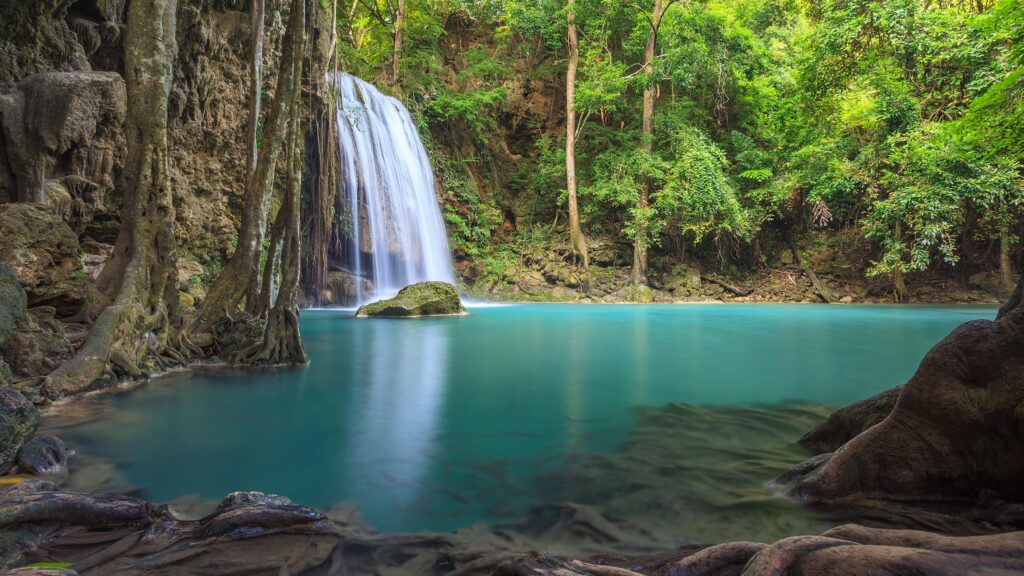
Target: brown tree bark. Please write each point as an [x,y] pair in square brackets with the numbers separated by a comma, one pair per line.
[255,92]
[140,274]
[647,136]
[282,341]
[238,277]
[577,241]
[1006,282]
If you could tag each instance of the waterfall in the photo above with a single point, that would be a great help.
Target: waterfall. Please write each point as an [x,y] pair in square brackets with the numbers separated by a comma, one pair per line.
[395,235]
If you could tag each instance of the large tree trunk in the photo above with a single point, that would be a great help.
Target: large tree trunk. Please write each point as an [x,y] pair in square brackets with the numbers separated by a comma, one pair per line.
[238,277]
[641,241]
[134,328]
[577,242]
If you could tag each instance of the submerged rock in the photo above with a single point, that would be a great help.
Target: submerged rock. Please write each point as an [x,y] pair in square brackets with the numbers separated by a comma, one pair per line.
[423,299]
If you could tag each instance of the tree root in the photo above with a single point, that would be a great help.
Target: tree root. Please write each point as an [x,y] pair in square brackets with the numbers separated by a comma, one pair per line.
[731,288]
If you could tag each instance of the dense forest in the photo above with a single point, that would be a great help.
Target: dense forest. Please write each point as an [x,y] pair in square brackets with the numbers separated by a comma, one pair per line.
[195,195]
[877,134]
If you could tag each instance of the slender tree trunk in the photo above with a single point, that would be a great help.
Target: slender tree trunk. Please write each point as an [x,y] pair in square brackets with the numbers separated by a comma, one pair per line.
[1006,283]
[255,102]
[237,279]
[396,54]
[577,242]
[282,341]
[255,92]
[134,328]
[647,135]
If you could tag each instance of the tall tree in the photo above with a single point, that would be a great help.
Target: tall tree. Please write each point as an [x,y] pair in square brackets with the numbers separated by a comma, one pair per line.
[236,283]
[252,128]
[577,242]
[396,53]
[282,342]
[641,242]
[139,279]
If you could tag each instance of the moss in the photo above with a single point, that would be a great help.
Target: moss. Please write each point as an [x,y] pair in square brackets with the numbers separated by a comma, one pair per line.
[423,299]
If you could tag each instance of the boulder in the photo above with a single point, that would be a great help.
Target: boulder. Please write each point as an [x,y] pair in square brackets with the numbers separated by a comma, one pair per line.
[44,253]
[39,346]
[423,299]
[342,288]
[12,303]
[955,435]
[18,422]
[250,500]
[43,455]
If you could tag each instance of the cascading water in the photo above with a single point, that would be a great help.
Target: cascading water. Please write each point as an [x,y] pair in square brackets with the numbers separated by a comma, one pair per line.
[391,218]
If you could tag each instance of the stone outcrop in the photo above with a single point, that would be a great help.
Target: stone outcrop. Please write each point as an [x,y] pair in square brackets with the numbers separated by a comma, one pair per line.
[18,421]
[44,253]
[423,299]
[63,141]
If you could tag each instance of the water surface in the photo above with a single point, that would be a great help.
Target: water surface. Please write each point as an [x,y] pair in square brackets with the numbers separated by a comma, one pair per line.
[664,421]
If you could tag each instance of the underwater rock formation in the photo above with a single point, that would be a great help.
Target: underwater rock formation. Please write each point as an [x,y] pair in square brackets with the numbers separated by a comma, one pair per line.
[423,299]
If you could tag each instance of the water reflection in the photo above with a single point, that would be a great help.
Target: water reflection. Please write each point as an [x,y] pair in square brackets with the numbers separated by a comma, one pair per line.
[398,396]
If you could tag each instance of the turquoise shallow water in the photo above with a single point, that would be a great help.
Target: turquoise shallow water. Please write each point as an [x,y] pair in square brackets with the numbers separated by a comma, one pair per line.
[436,424]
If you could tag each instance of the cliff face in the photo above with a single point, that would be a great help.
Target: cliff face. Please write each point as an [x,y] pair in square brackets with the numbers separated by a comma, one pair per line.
[62,108]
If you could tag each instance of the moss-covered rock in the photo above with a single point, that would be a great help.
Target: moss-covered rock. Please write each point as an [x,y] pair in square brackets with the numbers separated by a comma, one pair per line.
[18,422]
[44,253]
[423,299]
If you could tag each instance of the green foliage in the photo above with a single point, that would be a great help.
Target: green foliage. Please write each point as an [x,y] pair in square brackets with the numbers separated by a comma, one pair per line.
[471,221]
[473,109]
[896,119]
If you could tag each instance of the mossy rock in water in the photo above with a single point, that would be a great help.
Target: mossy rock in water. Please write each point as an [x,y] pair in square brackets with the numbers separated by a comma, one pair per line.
[423,299]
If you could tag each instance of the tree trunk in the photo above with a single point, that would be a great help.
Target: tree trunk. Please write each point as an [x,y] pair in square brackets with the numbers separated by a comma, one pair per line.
[134,328]
[255,102]
[282,341]
[1006,282]
[396,54]
[647,135]
[577,242]
[255,92]
[237,279]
